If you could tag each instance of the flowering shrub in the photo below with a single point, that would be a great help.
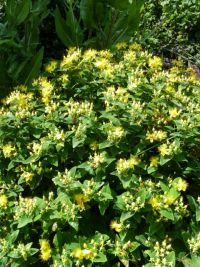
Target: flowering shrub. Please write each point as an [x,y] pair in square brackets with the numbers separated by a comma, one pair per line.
[100,164]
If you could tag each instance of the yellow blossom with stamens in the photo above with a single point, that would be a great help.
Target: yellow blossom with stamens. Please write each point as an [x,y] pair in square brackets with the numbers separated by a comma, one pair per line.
[163,149]
[173,113]
[134,161]
[169,199]
[8,150]
[154,161]
[114,225]
[80,200]
[3,201]
[181,185]
[154,202]
[155,62]
[45,250]
[51,66]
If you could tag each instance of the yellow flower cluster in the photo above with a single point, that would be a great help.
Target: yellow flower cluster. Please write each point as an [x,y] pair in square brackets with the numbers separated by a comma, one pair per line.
[8,150]
[162,249]
[3,201]
[45,250]
[123,165]
[80,200]
[84,253]
[115,133]
[155,63]
[116,226]
[194,243]
[156,135]
[97,159]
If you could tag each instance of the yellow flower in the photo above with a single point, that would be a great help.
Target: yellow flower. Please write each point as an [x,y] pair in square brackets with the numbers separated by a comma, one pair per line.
[89,54]
[135,46]
[51,66]
[156,135]
[173,113]
[28,176]
[169,199]
[154,161]
[88,254]
[78,254]
[181,185]
[134,161]
[45,250]
[121,46]
[155,62]
[22,88]
[161,135]
[8,150]
[64,78]
[151,136]
[154,202]
[163,149]
[3,201]
[80,200]
[114,225]
[102,64]
[169,88]
[81,254]
[94,146]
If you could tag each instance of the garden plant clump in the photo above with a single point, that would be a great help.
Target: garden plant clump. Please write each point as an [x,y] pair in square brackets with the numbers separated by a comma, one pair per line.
[99,163]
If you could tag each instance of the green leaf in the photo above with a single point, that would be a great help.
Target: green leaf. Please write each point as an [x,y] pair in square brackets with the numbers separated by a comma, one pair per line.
[193,262]
[171,257]
[13,236]
[33,67]
[198,214]
[192,203]
[103,205]
[100,258]
[167,213]
[106,192]
[61,29]
[24,221]
[24,10]
[164,160]
[125,216]
[87,8]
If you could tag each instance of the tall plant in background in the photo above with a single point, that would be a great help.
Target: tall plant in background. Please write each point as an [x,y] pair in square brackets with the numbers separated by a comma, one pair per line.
[97,23]
[20,60]
[172,27]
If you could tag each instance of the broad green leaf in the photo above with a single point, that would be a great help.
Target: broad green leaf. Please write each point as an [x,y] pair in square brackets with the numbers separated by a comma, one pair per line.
[198,214]
[167,213]
[171,257]
[193,262]
[87,13]
[13,236]
[100,258]
[61,29]
[23,221]
[32,68]
[23,11]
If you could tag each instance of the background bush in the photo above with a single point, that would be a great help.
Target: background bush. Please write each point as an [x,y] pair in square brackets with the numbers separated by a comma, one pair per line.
[171,27]
[99,164]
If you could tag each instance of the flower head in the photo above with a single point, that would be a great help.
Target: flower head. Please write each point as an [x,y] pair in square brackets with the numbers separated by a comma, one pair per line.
[3,201]
[114,225]
[45,250]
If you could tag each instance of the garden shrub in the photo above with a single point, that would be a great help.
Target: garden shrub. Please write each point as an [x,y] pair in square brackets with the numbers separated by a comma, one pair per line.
[172,27]
[100,163]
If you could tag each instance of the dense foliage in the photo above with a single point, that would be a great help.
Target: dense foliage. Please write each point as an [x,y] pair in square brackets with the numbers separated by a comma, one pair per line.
[172,27]
[99,164]
[26,28]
